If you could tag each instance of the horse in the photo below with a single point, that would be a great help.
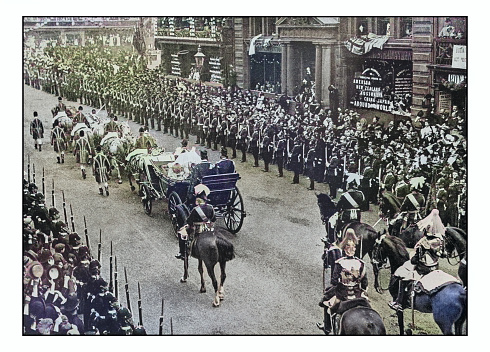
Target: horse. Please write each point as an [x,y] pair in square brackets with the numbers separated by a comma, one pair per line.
[447,303]
[366,233]
[455,240]
[358,318]
[116,148]
[210,248]
[463,271]
[389,205]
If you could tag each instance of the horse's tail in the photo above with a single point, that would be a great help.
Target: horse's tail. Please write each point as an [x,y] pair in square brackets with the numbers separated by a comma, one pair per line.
[225,248]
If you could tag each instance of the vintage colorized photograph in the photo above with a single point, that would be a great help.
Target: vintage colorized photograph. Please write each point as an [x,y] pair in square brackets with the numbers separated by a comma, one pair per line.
[244,175]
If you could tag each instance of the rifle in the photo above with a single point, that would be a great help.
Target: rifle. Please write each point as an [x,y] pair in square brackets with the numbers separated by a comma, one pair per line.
[64,207]
[33,173]
[44,190]
[71,219]
[28,169]
[111,283]
[99,245]
[86,232]
[116,291]
[160,327]
[140,310]
[128,301]
[52,195]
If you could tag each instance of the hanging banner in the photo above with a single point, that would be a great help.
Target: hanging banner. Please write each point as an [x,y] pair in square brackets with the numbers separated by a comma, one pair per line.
[364,44]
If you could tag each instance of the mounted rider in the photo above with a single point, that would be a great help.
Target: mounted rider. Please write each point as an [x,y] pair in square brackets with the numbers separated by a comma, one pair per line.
[350,206]
[145,140]
[201,218]
[410,209]
[428,250]
[349,280]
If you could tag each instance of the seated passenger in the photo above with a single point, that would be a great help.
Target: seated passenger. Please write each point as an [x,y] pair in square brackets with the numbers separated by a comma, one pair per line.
[176,172]
[225,165]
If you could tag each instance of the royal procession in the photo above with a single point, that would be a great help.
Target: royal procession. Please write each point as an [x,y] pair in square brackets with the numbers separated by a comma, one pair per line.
[245,176]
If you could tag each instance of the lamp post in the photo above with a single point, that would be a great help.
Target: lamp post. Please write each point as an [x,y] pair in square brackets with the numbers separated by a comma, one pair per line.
[199,57]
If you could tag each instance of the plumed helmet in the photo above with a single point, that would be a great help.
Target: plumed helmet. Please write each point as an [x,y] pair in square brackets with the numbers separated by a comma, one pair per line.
[202,191]
[349,238]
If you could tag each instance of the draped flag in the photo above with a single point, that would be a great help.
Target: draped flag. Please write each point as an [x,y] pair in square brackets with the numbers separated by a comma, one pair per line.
[364,44]
[251,50]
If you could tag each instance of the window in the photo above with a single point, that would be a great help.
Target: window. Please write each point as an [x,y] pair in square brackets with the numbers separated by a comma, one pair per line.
[405,27]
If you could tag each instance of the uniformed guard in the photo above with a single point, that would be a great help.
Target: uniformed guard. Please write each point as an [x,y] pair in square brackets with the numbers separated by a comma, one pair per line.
[279,153]
[59,141]
[254,146]
[410,209]
[267,151]
[101,169]
[37,131]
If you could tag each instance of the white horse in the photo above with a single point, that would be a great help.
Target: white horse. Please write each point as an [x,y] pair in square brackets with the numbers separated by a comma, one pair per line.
[116,148]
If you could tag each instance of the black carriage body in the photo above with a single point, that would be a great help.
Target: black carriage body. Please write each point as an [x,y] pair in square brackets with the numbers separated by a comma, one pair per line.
[156,185]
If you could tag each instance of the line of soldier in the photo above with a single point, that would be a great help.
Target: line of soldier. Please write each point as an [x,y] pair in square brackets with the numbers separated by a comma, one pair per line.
[295,134]
[64,293]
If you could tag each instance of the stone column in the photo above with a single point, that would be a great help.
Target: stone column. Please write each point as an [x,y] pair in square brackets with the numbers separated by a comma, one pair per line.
[318,73]
[289,69]
[327,72]
[284,69]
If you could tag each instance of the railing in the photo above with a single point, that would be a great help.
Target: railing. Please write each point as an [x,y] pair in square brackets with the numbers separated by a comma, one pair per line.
[443,49]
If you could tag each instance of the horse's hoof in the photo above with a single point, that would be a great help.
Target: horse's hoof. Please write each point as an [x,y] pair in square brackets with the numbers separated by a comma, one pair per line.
[221,296]
[215,304]
[132,188]
[183,280]
[202,290]
[119,181]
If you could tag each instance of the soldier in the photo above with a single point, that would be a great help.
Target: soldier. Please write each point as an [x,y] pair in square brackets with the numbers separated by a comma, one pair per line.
[83,152]
[428,250]
[113,125]
[213,130]
[59,141]
[242,141]
[296,159]
[232,136]
[410,209]
[254,147]
[101,170]
[201,218]
[334,174]
[37,131]
[309,166]
[78,117]
[279,153]
[267,151]
[350,206]
[145,140]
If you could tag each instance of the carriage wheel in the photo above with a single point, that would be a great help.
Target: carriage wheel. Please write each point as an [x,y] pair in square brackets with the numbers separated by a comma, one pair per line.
[146,199]
[173,201]
[234,213]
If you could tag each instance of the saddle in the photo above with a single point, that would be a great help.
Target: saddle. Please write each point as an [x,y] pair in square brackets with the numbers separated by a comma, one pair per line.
[340,308]
[434,281]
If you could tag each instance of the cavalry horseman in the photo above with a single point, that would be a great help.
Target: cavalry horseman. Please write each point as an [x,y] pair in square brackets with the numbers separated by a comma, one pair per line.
[410,209]
[350,206]
[201,218]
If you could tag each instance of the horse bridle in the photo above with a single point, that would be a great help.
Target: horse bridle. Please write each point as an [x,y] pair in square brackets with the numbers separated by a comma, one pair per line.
[378,260]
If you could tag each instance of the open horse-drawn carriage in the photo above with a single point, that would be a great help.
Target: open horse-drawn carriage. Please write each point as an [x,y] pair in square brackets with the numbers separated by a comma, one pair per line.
[154,176]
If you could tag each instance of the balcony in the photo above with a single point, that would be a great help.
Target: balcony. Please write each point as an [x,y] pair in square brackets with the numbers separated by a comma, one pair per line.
[443,49]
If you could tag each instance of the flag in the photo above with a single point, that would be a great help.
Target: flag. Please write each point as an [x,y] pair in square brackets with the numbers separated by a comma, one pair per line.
[363,45]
